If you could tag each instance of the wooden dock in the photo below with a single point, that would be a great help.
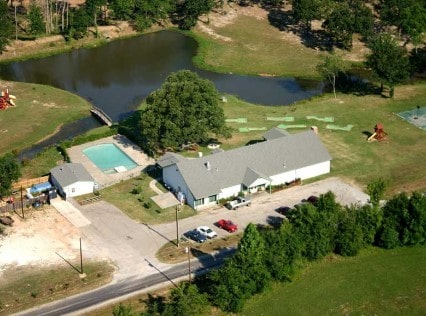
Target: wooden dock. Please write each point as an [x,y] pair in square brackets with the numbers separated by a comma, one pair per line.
[101,115]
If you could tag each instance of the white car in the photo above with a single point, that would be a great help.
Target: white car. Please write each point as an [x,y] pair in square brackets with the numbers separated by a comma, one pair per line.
[206,231]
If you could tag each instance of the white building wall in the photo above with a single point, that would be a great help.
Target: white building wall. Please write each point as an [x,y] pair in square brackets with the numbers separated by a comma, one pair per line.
[230,191]
[175,180]
[314,170]
[79,188]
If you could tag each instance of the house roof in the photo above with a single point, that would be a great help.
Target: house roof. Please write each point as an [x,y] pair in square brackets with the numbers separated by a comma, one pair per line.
[70,173]
[168,159]
[275,133]
[207,175]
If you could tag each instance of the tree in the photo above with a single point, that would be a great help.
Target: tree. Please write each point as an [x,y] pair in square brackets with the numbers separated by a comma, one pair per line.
[186,300]
[184,109]
[404,221]
[331,66]
[148,12]
[35,17]
[189,11]
[123,9]
[306,11]
[376,190]
[388,62]
[369,220]
[123,310]
[349,235]
[339,24]
[244,275]
[283,252]
[6,26]
[10,171]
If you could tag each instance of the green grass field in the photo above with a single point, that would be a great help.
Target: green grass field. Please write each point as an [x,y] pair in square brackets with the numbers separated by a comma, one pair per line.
[25,287]
[376,282]
[39,112]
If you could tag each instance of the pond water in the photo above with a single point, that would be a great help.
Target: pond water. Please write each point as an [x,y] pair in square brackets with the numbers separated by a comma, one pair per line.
[117,76]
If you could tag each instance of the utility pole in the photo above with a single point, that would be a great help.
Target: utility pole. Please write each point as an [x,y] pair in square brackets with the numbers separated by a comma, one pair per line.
[81,259]
[177,226]
[188,251]
[16,21]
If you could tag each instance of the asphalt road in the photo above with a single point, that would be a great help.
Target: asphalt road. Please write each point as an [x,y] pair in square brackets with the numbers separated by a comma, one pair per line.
[75,305]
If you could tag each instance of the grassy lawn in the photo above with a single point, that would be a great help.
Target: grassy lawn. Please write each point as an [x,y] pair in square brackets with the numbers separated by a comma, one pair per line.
[34,286]
[169,253]
[39,112]
[133,197]
[353,157]
[376,282]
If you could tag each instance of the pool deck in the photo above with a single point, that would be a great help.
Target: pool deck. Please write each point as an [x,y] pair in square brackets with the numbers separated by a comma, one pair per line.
[132,150]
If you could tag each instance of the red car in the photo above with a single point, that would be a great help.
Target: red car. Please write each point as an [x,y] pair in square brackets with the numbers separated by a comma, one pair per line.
[227,225]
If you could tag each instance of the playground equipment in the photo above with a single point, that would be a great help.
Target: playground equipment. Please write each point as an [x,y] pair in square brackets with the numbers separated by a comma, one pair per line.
[379,134]
[6,100]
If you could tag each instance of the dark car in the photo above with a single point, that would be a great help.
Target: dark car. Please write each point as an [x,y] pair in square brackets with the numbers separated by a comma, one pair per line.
[283,210]
[313,199]
[195,236]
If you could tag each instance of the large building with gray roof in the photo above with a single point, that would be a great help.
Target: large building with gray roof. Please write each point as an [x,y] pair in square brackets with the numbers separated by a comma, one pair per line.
[281,158]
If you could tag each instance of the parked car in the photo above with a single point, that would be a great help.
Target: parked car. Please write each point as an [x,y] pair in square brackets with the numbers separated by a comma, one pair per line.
[227,225]
[313,199]
[238,202]
[283,210]
[207,231]
[195,235]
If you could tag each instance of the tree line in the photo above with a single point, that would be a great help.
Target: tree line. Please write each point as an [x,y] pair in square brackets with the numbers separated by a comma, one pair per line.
[268,254]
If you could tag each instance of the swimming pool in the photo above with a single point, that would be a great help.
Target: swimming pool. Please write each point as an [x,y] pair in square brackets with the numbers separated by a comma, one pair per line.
[109,158]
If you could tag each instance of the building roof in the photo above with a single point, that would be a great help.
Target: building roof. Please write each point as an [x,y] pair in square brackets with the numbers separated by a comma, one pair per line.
[275,133]
[207,175]
[70,173]
[169,159]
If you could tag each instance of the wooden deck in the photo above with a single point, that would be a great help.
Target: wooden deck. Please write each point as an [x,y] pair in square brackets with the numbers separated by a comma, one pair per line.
[101,115]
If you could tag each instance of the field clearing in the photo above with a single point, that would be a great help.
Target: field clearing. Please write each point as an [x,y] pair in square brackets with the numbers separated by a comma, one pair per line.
[376,282]
[39,112]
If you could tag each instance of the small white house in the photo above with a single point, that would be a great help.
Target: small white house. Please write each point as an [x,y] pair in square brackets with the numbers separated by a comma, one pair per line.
[72,179]
[281,158]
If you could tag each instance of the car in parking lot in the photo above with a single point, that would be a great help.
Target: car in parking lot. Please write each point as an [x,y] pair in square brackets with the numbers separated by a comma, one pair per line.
[207,231]
[283,210]
[195,235]
[227,225]
[313,199]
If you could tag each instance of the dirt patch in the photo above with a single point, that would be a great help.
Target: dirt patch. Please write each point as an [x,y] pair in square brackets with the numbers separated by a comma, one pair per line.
[41,238]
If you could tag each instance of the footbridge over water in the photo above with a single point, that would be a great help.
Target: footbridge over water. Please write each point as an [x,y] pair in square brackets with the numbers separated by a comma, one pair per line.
[101,115]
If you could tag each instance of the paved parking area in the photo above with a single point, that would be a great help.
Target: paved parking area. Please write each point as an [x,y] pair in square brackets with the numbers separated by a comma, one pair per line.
[132,246]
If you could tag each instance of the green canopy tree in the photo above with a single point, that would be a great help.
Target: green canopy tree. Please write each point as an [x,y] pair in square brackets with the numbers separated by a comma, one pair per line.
[186,300]
[330,67]
[6,25]
[149,12]
[306,11]
[388,62]
[10,171]
[339,24]
[35,17]
[376,190]
[185,109]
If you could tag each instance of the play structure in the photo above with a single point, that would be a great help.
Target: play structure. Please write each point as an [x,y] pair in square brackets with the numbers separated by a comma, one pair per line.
[6,100]
[379,134]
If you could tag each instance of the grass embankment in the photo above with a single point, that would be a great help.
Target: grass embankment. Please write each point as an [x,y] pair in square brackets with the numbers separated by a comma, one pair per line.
[34,286]
[376,282]
[39,112]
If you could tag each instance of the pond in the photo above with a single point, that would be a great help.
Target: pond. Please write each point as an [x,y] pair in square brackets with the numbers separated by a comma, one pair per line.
[117,76]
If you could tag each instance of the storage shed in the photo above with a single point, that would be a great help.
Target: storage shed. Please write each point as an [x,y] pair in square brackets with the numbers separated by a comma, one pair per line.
[72,179]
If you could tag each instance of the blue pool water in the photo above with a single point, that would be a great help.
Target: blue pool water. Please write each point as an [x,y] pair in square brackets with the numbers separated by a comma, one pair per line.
[108,157]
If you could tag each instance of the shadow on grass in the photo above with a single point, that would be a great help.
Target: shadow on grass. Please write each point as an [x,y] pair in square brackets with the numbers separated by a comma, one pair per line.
[155,305]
